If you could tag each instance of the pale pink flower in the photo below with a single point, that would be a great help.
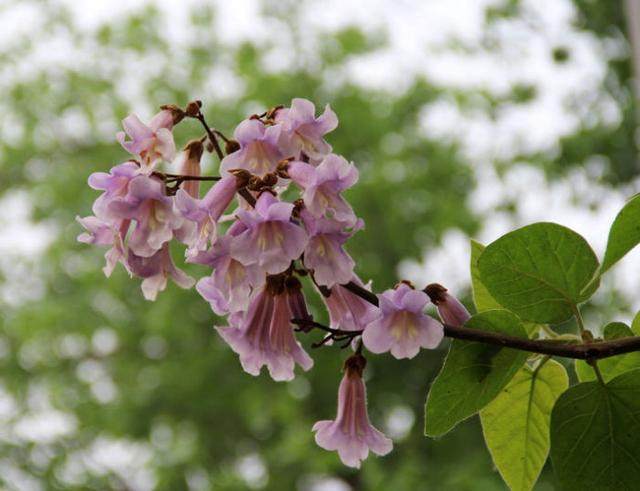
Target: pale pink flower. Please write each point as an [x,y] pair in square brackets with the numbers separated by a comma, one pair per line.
[303,132]
[265,336]
[189,165]
[347,310]
[259,151]
[101,233]
[401,326]
[323,186]
[155,270]
[151,143]
[324,254]
[271,240]
[351,433]
[155,220]
[205,212]
[228,289]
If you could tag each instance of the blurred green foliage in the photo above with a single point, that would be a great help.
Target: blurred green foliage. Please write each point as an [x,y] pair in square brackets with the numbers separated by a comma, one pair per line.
[169,382]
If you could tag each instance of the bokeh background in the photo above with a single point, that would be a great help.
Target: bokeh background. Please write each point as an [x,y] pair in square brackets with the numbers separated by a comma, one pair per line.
[466,118]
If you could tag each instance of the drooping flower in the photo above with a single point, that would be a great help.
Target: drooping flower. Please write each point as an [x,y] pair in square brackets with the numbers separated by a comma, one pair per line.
[401,325]
[351,433]
[303,132]
[152,212]
[324,253]
[450,309]
[155,270]
[259,151]
[206,212]
[229,287]
[265,336]
[297,302]
[324,184]
[271,240]
[151,143]
[347,310]
[101,233]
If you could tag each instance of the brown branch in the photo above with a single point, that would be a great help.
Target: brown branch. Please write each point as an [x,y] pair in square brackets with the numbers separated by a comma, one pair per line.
[564,348]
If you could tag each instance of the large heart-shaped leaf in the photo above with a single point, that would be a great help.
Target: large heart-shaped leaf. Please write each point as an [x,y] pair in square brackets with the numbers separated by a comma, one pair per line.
[539,271]
[516,423]
[615,365]
[473,373]
[481,296]
[595,435]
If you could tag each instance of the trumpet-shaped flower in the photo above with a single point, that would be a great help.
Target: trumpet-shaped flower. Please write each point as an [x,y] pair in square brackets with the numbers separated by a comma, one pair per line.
[348,311]
[303,132]
[155,270]
[229,287]
[259,151]
[264,335]
[152,211]
[325,254]
[206,212]
[150,142]
[271,240]
[323,186]
[351,433]
[401,325]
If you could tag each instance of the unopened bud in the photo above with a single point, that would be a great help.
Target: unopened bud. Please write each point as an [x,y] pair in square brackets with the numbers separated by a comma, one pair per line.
[193,108]
[231,146]
[270,179]
[450,309]
[176,113]
[243,177]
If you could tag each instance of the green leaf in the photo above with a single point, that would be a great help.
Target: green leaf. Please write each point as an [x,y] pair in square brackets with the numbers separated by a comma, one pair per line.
[624,234]
[516,423]
[595,428]
[481,296]
[614,366]
[539,271]
[473,373]
[635,325]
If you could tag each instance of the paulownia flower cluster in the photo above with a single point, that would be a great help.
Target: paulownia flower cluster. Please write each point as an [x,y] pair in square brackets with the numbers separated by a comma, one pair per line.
[275,215]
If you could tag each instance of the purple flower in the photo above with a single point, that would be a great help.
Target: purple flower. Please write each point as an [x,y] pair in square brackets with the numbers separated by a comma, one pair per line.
[450,309]
[297,302]
[155,269]
[264,335]
[152,210]
[114,184]
[259,151]
[303,132]
[271,240]
[101,233]
[150,143]
[229,287]
[401,326]
[351,433]
[348,311]
[323,184]
[324,253]
[206,212]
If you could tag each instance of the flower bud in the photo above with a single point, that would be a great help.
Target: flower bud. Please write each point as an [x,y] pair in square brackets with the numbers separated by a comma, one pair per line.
[193,108]
[231,146]
[176,113]
[450,309]
[191,166]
